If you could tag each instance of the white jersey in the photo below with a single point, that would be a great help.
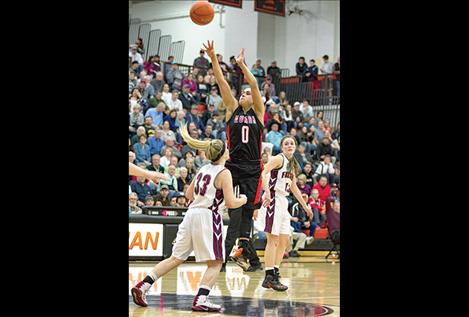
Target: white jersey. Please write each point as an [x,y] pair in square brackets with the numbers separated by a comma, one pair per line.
[280,179]
[205,193]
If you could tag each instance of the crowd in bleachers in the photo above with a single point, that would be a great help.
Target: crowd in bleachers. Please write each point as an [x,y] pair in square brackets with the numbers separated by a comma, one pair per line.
[162,98]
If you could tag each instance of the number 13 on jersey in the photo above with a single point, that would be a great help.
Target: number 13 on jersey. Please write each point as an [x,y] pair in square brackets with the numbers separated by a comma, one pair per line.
[245,134]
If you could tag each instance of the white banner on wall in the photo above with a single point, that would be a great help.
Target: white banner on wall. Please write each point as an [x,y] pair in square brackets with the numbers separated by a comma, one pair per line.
[145,239]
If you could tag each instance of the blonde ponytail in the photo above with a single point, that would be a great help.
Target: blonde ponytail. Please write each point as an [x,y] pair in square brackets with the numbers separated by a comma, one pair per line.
[213,149]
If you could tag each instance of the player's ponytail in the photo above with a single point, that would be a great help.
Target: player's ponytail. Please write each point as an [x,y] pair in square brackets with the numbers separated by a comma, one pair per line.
[293,166]
[214,149]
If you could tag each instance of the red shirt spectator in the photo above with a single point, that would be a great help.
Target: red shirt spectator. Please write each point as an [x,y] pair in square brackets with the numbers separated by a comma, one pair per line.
[323,187]
[191,82]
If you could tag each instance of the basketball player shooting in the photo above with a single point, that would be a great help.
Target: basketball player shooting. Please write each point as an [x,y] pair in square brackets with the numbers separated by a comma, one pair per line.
[244,120]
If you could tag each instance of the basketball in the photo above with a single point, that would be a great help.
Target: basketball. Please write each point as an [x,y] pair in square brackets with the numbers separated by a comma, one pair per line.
[202,13]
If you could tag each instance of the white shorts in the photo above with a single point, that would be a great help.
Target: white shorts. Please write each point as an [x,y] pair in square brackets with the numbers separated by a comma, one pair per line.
[274,219]
[200,231]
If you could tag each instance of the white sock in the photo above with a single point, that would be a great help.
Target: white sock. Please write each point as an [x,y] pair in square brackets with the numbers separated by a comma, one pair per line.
[277,266]
[268,268]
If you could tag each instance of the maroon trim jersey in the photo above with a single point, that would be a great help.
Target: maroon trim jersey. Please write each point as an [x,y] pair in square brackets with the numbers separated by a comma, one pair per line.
[244,137]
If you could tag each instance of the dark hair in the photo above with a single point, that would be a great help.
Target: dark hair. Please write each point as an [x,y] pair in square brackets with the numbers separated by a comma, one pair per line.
[134,62]
[325,57]
[170,56]
[323,175]
[305,99]
[312,60]
[301,57]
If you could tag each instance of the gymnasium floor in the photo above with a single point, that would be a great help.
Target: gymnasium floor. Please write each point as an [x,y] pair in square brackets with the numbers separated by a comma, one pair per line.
[313,290]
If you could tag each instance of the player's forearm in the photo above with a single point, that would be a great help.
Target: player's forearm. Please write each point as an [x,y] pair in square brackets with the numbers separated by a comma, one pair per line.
[247,73]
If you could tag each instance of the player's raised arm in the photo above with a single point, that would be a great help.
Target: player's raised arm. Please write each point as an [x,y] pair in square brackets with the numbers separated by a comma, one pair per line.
[225,90]
[258,104]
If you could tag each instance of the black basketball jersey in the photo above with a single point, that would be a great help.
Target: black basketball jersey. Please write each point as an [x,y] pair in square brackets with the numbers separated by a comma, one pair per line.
[244,136]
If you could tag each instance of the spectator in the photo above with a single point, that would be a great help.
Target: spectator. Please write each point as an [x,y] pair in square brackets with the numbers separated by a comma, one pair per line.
[325,168]
[163,196]
[282,125]
[296,113]
[218,126]
[167,133]
[186,98]
[172,182]
[149,201]
[274,137]
[147,89]
[327,69]
[140,187]
[306,109]
[308,171]
[155,100]
[273,109]
[333,219]
[183,179]
[136,68]
[131,157]
[336,180]
[133,208]
[167,65]
[202,89]
[135,56]
[222,111]
[208,133]
[300,220]
[135,96]
[175,102]
[193,116]
[336,134]
[174,77]
[149,126]
[214,98]
[135,138]
[301,156]
[208,114]
[174,161]
[166,159]
[325,148]
[186,154]
[157,114]
[190,166]
[323,187]
[294,133]
[201,160]
[320,132]
[191,83]
[202,63]
[287,116]
[132,81]
[166,96]
[155,164]
[275,73]
[318,207]
[301,69]
[259,72]
[169,143]
[300,239]
[181,200]
[171,118]
[303,187]
[312,74]
[236,74]
[149,66]
[180,120]
[336,71]
[142,151]
[158,82]
[268,81]
[155,143]
[136,118]
[140,48]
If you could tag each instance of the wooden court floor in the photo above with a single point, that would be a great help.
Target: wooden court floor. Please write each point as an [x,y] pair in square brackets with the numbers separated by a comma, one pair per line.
[313,290]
